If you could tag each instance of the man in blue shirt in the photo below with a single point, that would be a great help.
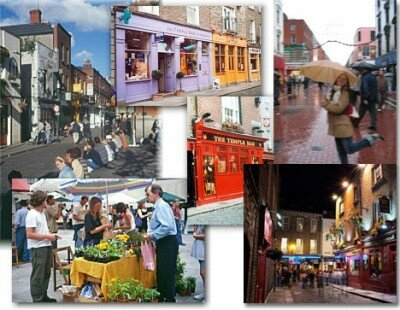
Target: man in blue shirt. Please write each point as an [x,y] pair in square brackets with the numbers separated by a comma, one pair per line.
[20,235]
[163,232]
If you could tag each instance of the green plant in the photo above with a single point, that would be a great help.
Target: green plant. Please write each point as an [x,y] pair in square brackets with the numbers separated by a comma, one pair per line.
[130,290]
[157,75]
[181,285]
[191,284]
[179,76]
[150,295]
[28,46]
[180,269]
[357,221]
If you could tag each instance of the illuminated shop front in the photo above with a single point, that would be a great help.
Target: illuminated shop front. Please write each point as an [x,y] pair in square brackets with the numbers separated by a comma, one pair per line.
[302,261]
[147,43]
[255,63]
[218,158]
[230,64]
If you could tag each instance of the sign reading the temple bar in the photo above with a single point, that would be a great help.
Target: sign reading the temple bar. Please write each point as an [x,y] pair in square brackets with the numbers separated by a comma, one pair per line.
[384,204]
[224,139]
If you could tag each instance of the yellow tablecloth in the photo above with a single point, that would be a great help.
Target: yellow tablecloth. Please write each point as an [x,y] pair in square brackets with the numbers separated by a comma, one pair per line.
[124,268]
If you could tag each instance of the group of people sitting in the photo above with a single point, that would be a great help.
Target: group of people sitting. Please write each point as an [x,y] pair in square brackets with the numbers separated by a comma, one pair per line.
[96,153]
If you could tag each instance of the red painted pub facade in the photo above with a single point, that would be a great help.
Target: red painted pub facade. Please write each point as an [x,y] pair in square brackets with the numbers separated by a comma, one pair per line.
[218,159]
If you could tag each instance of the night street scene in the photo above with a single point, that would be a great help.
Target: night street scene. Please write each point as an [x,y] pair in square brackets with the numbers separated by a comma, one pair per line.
[224,134]
[335,89]
[320,234]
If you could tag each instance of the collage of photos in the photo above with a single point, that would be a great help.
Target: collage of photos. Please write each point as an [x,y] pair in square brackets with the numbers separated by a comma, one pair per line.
[306,170]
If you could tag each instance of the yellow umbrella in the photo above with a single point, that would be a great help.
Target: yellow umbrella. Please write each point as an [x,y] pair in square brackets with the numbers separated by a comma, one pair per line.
[326,71]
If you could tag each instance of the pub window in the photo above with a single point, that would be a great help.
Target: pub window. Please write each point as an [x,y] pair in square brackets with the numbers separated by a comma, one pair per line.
[299,224]
[230,110]
[365,262]
[284,245]
[233,163]
[313,226]
[299,246]
[254,62]
[222,163]
[209,174]
[137,49]
[244,151]
[231,58]
[286,223]
[313,246]
[189,57]
[204,48]
[219,58]
[355,266]
[255,160]
[240,58]
[221,148]
[242,162]
[376,263]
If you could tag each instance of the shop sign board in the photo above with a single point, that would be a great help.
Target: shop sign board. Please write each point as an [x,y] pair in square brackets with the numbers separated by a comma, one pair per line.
[237,141]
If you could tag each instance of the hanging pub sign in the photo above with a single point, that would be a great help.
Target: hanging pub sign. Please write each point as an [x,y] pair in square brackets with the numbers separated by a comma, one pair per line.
[384,204]
[225,139]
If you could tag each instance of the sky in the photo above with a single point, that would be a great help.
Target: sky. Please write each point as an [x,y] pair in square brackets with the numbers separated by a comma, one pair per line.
[88,21]
[333,20]
[310,188]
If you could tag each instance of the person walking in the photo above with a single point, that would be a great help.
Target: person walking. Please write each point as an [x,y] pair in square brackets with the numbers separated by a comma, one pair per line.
[340,125]
[39,243]
[382,89]
[47,129]
[87,131]
[162,230]
[177,215]
[52,213]
[369,96]
[94,227]
[198,253]
[20,231]
[277,89]
[76,131]
[144,215]
[78,216]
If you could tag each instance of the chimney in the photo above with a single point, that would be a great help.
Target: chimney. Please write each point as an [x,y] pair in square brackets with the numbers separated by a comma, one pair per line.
[36,16]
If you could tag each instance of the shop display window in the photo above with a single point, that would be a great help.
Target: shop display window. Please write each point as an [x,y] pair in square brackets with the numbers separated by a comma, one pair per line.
[254,62]
[188,52]
[137,50]
[209,174]
[355,266]
[255,160]
[222,163]
[240,58]
[233,163]
[242,162]
[376,263]
[219,58]
[231,57]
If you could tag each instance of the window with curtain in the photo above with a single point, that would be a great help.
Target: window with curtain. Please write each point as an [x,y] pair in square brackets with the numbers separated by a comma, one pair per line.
[240,58]
[188,56]
[137,50]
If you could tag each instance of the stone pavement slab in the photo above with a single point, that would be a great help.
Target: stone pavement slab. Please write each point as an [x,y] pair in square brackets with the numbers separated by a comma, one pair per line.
[381,297]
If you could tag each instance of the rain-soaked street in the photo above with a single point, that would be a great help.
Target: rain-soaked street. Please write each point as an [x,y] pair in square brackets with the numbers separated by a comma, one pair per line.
[301,132]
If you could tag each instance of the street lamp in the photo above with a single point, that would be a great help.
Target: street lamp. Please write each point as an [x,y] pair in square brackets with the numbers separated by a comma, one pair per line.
[345,184]
[334,196]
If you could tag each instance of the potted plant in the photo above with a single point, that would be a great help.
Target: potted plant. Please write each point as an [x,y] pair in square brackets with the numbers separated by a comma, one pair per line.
[150,295]
[180,91]
[157,75]
[181,287]
[191,284]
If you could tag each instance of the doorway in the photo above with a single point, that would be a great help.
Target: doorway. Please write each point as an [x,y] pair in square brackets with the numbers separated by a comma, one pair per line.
[162,67]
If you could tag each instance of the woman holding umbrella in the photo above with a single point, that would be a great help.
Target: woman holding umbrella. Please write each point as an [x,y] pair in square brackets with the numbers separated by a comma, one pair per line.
[340,126]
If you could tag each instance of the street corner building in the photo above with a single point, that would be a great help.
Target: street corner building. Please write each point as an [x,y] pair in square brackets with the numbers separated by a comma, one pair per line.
[224,133]
[363,236]
[159,50]
[261,198]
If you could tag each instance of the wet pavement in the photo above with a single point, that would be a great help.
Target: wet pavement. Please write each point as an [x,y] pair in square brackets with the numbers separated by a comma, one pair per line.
[21,274]
[327,294]
[301,132]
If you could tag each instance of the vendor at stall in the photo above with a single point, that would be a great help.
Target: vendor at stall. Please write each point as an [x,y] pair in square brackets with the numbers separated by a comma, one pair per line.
[94,227]
[126,222]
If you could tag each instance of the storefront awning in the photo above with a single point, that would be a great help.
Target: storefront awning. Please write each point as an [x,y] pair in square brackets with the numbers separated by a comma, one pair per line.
[387,59]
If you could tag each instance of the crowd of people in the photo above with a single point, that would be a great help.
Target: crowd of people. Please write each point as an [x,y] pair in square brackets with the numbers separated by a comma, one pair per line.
[36,225]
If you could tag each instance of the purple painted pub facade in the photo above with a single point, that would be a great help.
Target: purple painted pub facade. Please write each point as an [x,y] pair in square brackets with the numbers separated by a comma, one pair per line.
[147,43]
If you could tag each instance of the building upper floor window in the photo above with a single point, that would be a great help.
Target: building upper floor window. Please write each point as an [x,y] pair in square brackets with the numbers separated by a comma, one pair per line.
[359,36]
[278,17]
[229,19]
[313,246]
[252,31]
[299,224]
[372,35]
[293,39]
[231,110]
[377,174]
[292,27]
[193,15]
[313,226]
[284,245]
[286,223]
[151,9]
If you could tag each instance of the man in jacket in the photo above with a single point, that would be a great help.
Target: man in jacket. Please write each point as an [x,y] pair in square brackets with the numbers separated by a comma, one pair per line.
[369,96]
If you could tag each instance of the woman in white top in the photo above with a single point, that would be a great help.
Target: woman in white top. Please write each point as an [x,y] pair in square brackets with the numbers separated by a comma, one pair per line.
[126,222]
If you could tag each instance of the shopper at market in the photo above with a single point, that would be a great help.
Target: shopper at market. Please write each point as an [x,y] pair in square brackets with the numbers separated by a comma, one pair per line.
[198,253]
[94,227]
[20,231]
[163,232]
[177,215]
[126,222]
[39,243]
[52,213]
[143,213]
[78,217]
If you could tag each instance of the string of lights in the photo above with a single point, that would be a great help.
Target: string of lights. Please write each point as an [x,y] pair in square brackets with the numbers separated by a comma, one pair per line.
[332,41]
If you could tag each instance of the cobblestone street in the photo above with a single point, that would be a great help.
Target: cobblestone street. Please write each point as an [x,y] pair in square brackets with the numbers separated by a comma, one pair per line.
[301,132]
[327,294]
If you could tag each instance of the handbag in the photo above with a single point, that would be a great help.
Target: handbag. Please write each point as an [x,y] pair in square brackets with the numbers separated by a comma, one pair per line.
[138,222]
[351,111]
